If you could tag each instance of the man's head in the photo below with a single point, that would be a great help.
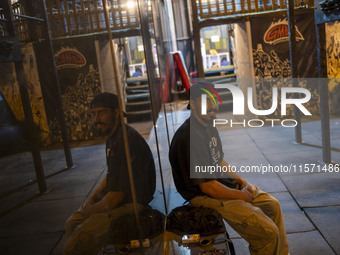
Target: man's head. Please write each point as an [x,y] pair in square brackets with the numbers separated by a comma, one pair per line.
[195,104]
[105,112]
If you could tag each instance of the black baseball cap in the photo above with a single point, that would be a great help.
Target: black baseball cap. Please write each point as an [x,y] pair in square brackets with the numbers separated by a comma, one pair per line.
[107,100]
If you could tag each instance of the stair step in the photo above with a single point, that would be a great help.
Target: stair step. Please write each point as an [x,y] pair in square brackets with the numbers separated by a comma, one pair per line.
[137,91]
[136,79]
[135,96]
[138,103]
[136,87]
[224,93]
[220,76]
[224,102]
[138,112]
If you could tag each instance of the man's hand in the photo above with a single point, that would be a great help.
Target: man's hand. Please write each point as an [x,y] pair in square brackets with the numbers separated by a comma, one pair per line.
[247,190]
[247,194]
[244,184]
[111,200]
[217,190]
[241,182]
[86,209]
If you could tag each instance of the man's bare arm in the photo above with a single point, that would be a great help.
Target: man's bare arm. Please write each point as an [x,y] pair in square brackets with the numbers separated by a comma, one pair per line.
[230,174]
[95,194]
[217,190]
[236,176]
[110,201]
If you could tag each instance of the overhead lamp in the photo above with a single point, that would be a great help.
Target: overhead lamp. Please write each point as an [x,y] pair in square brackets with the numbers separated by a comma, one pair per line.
[130,4]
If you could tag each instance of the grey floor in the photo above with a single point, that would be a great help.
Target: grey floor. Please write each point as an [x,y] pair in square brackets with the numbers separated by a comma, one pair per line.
[31,223]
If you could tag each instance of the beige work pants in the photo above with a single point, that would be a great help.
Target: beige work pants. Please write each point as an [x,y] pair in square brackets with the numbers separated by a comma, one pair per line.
[86,236]
[260,223]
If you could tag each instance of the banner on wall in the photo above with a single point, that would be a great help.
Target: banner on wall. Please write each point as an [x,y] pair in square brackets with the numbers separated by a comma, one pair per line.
[270,42]
[68,57]
[333,65]
[77,66]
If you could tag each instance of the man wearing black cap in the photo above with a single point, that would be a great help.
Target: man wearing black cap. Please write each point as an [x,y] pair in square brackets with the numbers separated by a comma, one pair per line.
[254,214]
[87,229]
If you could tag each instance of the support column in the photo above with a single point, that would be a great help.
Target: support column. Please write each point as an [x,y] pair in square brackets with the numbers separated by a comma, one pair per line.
[293,63]
[197,40]
[26,102]
[55,82]
[323,89]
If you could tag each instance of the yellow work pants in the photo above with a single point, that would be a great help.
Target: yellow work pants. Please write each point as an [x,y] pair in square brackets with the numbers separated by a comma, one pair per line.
[86,236]
[260,222]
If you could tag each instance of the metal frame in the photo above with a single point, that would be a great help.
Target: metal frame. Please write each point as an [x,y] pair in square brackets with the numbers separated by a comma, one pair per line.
[33,132]
[26,103]
[320,20]
[293,63]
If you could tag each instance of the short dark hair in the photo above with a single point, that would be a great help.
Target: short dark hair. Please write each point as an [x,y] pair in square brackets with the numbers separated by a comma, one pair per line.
[106,99]
[196,91]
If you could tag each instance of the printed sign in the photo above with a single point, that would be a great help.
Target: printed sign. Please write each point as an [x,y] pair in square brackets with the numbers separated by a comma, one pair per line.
[278,33]
[69,58]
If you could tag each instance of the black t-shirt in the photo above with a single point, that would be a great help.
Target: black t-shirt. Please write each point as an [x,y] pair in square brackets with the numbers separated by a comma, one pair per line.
[142,163]
[205,150]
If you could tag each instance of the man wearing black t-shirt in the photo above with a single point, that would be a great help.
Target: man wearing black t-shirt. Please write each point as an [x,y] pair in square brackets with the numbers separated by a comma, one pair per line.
[87,229]
[254,214]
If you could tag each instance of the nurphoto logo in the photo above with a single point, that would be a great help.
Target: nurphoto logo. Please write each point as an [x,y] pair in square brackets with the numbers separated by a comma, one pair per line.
[239,105]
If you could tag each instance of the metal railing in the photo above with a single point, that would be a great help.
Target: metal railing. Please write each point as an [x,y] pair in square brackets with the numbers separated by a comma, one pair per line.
[28,28]
[76,17]
[218,8]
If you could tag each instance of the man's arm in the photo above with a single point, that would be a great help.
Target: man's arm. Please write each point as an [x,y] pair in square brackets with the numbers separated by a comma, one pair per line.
[218,190]
[234,175]
[111,200]
[107,203]
[95,194]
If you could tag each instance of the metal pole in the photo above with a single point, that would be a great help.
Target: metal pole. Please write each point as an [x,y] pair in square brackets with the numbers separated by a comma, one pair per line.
[197,40]
[27,17]
[293,63]
[122,123]
[323,88]
[26,104]
[144,20]
[60,110]
[31,20]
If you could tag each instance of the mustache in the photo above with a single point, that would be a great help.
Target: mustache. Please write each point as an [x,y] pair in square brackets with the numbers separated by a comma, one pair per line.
[99,123]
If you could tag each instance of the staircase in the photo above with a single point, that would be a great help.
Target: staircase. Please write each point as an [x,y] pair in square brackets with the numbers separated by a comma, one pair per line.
[137,97]
[226,96]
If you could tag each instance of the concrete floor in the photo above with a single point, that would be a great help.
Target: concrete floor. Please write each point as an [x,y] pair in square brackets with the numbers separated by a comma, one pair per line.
[31,223]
